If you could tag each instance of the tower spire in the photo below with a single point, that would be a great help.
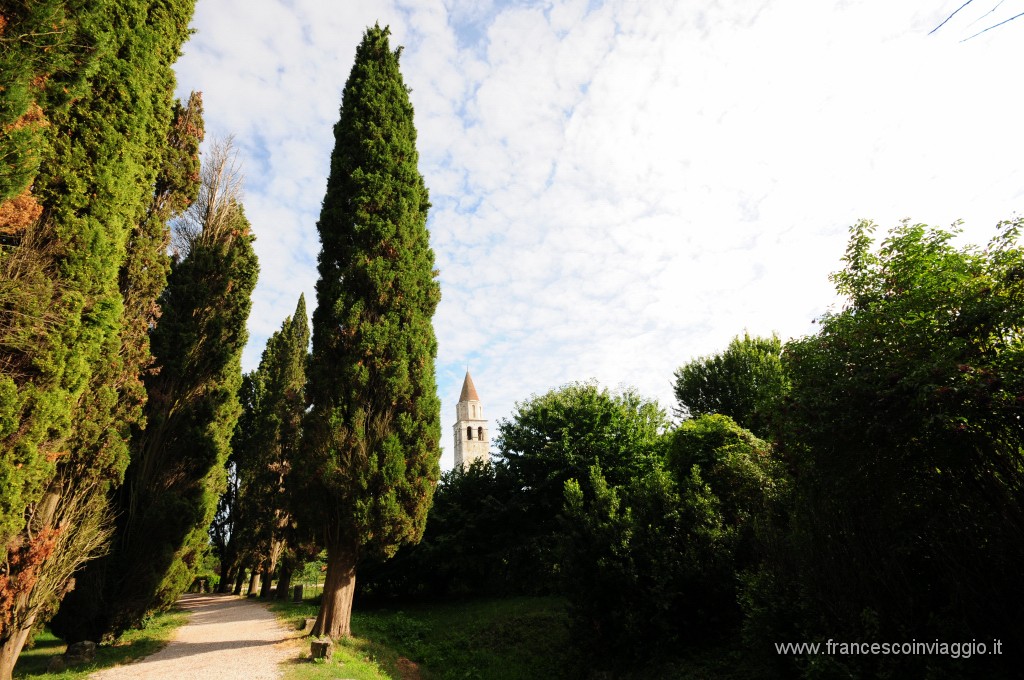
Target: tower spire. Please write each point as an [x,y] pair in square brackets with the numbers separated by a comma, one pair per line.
[468,389]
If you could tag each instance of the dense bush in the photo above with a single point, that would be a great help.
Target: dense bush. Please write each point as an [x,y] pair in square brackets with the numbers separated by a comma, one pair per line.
[650,565]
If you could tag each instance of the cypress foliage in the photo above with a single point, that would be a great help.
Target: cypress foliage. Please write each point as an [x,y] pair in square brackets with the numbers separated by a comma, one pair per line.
[373,432]
[177,467]
[67,391]
[144,275]
[43,60]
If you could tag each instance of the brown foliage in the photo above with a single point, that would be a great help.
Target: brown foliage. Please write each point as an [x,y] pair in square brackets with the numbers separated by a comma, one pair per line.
[408,669]
[33,116]
[19,213]
[24,559]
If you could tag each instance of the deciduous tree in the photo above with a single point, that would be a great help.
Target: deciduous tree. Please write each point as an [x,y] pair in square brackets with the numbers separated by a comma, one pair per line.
[906,430]
[651,563]
[558,436]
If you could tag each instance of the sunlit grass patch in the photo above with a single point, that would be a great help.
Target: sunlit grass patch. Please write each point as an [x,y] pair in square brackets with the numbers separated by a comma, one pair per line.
[504,639]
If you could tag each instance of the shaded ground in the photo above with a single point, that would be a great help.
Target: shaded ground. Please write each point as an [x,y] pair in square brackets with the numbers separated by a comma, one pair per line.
[226,637]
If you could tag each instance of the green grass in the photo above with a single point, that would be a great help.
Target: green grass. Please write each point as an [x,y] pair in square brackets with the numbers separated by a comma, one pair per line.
[500,639]
[356,658]
[131,645]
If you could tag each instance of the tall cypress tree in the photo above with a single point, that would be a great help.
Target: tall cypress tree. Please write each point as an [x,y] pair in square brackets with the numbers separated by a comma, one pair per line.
[177,465]
[372,437]
[99,117]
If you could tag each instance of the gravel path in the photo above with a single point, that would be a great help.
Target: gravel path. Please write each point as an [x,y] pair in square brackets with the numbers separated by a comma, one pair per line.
[226,637]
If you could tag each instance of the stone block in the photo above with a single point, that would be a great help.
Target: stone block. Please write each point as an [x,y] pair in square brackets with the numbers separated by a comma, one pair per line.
[321,649]
[80,652]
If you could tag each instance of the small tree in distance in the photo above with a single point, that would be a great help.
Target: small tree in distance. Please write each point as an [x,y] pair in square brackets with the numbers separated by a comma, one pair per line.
[371,440]
[745,382]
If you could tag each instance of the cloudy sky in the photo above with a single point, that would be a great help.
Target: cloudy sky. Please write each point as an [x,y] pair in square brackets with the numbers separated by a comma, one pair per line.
[621,186]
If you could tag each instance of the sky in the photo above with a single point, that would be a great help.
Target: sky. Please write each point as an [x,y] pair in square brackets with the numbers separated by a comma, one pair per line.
[620,187]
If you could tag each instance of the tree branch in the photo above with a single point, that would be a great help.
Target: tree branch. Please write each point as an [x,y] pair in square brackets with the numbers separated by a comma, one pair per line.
[1006,21]
[991,11]
[950,16]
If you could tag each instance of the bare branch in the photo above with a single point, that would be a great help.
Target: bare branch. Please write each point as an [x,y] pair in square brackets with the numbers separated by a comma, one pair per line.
[991,11]
[220,194]
[950,17]
[19,38]
[995,26]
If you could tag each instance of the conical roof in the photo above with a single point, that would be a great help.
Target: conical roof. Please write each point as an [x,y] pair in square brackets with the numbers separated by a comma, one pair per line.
[468,390]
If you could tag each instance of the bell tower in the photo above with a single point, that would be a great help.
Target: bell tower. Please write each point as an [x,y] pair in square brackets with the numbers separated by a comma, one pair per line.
[471,440]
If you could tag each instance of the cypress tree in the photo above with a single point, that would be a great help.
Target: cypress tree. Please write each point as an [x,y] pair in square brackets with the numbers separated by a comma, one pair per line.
[177,464]
[223,529]
[99,115]
[233,532]
[266,442]
[371,439]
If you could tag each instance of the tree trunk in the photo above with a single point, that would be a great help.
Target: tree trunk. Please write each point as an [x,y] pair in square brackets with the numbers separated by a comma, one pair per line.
[10,649]
[227,574]
[254,583]
[239,580]
[268,579]
[225,578]
[284,582]
[335,617]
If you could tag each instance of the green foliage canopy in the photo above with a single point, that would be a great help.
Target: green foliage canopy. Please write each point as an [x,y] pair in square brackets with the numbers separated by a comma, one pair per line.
[745,382]
[651,563]
[494,527]
[86,132]
[559,436]
[563,433]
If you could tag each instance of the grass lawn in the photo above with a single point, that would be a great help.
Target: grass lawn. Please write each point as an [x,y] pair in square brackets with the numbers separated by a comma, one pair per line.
[502,639]
[132,645]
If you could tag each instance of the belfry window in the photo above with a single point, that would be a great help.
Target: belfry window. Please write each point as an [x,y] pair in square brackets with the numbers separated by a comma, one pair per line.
[469,432]
[480,433]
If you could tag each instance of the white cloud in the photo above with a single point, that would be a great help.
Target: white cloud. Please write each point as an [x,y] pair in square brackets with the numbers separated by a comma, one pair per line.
[619,186]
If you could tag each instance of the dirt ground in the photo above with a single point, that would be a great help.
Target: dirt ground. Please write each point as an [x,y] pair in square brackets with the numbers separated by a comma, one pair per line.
[225,637]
